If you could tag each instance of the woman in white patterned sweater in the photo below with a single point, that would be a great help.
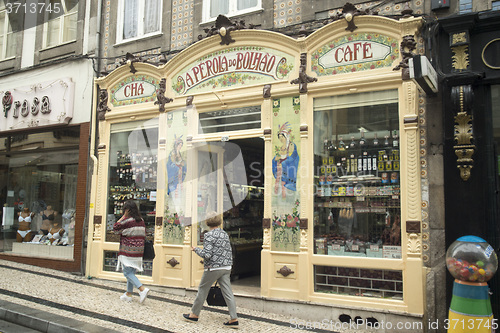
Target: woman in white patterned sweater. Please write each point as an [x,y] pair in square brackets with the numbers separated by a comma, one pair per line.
[218,260]
[132,232]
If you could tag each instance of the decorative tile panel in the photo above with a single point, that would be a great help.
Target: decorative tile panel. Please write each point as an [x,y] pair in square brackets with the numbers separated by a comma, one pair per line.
[182,24]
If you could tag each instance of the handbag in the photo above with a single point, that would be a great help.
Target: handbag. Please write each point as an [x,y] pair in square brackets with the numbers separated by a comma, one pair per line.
[215,297]
[149,250]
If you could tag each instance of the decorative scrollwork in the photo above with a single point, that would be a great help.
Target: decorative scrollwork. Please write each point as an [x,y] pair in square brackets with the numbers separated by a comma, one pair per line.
[285,271]
[464,138]
[408,45]
[160,95]
[223,27]
[303,78]
[102,107]
[173,262]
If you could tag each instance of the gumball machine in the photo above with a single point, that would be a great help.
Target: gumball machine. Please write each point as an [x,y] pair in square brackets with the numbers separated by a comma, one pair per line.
[472,262]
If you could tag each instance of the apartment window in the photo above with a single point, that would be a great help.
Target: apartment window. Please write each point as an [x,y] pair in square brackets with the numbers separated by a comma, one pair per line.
[138,19]
[213,8]
[7,41]
[465,6]
[61,22]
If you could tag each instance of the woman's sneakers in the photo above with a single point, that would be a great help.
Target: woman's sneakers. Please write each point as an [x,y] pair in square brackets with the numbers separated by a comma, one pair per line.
[233,324]
[143,294]
[126,298]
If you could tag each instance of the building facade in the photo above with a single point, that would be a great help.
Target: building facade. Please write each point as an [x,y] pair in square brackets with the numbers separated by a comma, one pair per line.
[303,129]
[46,86]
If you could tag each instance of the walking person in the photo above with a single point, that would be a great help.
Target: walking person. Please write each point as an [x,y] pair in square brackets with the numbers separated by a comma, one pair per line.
[132,232]
[218,260]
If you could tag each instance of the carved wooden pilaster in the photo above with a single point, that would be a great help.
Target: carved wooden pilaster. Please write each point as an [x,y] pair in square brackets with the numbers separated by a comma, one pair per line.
[187,235]
[101,182]
[97,228]
[463,133]
[266,239]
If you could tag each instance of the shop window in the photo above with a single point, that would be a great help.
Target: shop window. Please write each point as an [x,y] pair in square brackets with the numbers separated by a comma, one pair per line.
[61,22]
[230,120]
[138,19]
[359,282]
[212,8]
[38,175]
[133,157]
[111,260]
[7,40]
[357,163]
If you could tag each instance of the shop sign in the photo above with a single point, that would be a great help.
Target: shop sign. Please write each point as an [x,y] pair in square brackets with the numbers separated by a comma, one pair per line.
[134,90]
[41,104]
[233,67]
[353,53]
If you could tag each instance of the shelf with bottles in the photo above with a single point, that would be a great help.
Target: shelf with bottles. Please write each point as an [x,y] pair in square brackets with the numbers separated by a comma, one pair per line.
[135,168]
[363,157]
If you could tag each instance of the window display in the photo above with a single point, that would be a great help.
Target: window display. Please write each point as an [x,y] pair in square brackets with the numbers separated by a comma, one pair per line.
[39,173]
[357,164]
[133,172]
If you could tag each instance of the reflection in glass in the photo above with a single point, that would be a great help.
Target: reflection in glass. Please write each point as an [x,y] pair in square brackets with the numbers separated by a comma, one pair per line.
[133,157]
[357,165]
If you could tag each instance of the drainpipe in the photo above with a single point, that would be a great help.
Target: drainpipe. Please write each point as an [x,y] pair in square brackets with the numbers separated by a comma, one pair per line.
[93,133]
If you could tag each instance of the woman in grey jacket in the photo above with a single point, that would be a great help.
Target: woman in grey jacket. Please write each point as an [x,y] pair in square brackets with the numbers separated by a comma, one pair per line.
[218,260]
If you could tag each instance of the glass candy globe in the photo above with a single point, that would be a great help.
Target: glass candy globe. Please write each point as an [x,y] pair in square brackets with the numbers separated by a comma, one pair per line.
[471,259]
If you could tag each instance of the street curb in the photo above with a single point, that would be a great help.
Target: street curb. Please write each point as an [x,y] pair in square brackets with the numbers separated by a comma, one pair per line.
[45,321]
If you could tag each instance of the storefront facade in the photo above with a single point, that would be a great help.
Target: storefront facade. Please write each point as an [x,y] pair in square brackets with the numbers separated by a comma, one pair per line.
[468,54]
[309,147]
[44,154]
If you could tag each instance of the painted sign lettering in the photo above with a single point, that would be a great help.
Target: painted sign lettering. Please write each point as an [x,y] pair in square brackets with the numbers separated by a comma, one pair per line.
[353,53]
[233,67]
[134,89]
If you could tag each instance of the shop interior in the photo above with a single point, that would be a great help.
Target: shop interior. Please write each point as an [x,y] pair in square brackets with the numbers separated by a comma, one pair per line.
[243,220]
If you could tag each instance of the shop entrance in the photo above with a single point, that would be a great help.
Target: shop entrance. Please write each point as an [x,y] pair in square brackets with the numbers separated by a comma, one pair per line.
[237,190]
[243,222]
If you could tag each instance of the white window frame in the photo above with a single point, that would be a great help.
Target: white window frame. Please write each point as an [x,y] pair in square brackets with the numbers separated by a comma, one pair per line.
[232,11]
[140,24]
[6,35]
[61,20]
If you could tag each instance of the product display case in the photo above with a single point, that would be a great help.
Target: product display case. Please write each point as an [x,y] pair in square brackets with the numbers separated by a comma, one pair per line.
[132,175]
[357,209]
[243,224]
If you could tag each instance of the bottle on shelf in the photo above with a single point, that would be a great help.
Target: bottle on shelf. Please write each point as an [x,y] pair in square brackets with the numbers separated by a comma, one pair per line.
[375,147]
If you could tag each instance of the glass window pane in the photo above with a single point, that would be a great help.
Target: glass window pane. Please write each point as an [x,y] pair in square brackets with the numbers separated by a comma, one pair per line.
[219,7]
[130,18]
[152,16]
[245,4]
[132,172]
[71,6]
[11,46]
[69,27]
[53,32]
[208,182]
[230,120]
[357,163]
[38,194]
[3,17]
